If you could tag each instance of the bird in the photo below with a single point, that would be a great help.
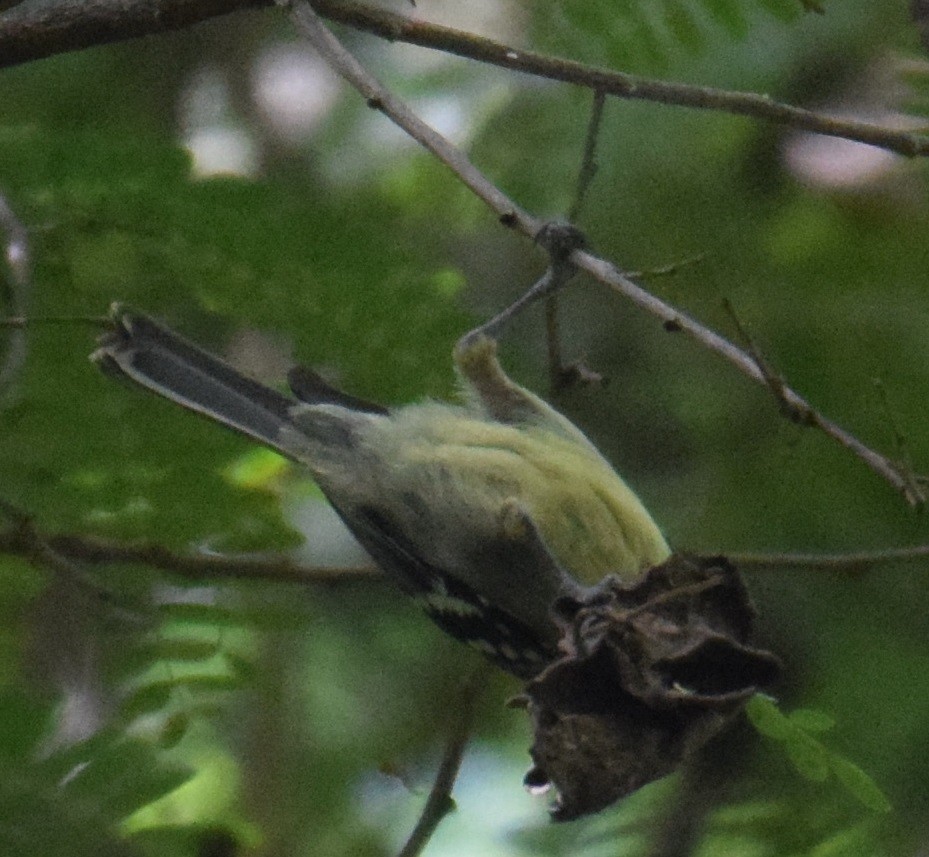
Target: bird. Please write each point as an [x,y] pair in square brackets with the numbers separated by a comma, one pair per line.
[486,510]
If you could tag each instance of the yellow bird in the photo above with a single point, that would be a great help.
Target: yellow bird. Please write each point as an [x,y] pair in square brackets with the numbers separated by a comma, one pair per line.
[427,488]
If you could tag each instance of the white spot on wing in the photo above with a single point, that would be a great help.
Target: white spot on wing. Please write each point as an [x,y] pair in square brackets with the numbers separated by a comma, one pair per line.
[443,603]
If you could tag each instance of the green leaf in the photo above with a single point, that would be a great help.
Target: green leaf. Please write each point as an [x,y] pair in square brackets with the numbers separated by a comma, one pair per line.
[174,729]
[23,721]
[123,777]
[811,720]
[859,784]
[285,614]
[682,25]
[784,10]
[853,842]
[767,718]
[64,761]
[813,6]
[155,695]
[146,787]
[810,757]
[184,650]
[203,614]
[747,813]
[180,649]
[728,844]
[241,666]
[147,699]
[116,216]
[730,14]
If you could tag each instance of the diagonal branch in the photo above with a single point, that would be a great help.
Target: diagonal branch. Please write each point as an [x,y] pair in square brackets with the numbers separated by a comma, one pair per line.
[33,32]
[28,33]
[791,402]
[308,23]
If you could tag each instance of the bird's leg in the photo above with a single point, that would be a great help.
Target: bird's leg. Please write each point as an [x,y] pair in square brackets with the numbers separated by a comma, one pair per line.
[559,240]
[476,352]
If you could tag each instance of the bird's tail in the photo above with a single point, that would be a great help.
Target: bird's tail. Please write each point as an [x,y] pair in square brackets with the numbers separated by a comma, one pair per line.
[141,350]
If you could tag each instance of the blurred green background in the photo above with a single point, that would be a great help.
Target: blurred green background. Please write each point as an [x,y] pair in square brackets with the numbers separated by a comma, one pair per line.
[222,179]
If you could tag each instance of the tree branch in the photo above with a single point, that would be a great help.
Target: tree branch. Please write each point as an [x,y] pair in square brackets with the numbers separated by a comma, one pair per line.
[23,540]
[64,27]
[308,24]
[559,374]
[439,803]
[33,32]
[69,552]
[843,562]
[589,165]
[378,97]
[29,33]
[69,27]
[790,401]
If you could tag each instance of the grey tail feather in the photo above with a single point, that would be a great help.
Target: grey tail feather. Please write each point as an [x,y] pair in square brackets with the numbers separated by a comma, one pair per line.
[151,355]
[311,389]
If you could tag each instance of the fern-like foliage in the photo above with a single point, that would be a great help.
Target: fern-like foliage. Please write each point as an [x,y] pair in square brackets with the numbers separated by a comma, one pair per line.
[73,800]
[156,663]
[799,733]
[625,33]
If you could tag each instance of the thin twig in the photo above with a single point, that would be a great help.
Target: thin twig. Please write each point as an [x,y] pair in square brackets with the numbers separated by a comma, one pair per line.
[847,562]
[668,270]
[559,240]
[21,322]
[675,320]
[310,25]
[589,165]
[440,803]
[25,540]
[900,440]
[35,31]
[512,215]
[558,373]
[380,98]
[689,590]
[556,367]
[774,381]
